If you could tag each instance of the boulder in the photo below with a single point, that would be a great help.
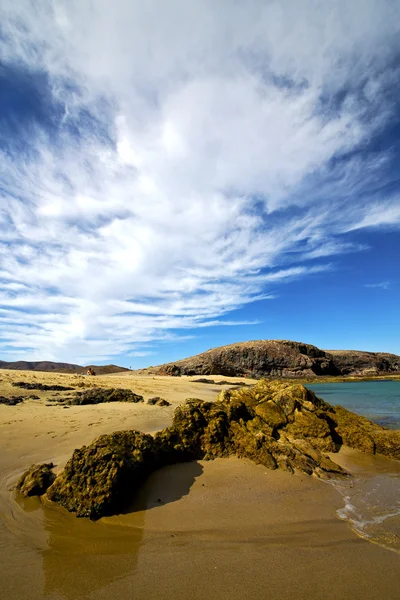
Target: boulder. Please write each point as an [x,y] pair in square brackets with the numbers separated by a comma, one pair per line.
[159,401]
[100,395]
[99,478]
[36,480]
[359,433]
[12,400]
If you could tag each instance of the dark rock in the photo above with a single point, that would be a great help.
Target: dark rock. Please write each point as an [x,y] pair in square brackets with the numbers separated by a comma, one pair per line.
[40,386]
[163,402]
[36,480]
[12,400]
[211,381]
[99,478]
[99,395]
[159,401]
[173,370]
[154,400]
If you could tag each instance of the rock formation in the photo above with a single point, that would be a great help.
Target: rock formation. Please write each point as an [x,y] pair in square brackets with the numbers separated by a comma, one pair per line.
[11,400]
[41,386]
[278,425]
[280,358]
[365,363]
[100,395]
[36,480]
[158,401]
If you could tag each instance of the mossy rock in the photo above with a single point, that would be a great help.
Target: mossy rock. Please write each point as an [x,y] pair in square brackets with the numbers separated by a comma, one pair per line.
[100,395]
[36,480]
[278,425]
[98,478]
[359,433]
[157,400]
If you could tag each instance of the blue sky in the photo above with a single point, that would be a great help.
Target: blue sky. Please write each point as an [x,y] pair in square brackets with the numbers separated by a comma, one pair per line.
[177,176]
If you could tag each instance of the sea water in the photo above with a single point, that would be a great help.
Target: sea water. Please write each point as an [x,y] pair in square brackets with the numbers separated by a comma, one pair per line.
[371,497]
[379,401]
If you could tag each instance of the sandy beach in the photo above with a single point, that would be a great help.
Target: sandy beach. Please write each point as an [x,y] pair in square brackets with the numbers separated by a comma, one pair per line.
[221,529]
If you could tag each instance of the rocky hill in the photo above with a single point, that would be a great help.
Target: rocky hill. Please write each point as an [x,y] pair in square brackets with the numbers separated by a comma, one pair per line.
[280,358]
[355,361]
[58,367]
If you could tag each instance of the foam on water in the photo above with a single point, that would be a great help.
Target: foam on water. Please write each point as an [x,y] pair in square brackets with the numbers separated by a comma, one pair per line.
[372,507]
[371,497]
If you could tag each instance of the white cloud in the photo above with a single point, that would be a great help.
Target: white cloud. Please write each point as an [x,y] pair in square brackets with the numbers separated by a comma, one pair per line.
[191,166]
[384,285]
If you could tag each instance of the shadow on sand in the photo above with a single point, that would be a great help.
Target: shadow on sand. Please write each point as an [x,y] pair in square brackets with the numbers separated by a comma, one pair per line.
[166,485]
[83,556]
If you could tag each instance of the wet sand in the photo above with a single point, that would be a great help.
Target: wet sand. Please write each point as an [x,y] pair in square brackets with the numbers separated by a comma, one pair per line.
[202,530]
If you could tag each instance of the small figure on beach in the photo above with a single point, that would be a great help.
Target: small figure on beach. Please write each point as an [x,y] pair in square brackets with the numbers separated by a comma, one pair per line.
[90,371]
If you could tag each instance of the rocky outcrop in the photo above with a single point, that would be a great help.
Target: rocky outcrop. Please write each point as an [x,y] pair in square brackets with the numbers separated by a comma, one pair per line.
[11,400]
[353,362]
[99,478]
[359,433]
[158,401]
[280,358]
[36,480]
[212,382]
[100,395]
[276,424]
[256,359]
[41,386]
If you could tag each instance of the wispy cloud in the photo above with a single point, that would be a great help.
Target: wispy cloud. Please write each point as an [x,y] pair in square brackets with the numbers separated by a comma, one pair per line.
[384,285]
[179,171]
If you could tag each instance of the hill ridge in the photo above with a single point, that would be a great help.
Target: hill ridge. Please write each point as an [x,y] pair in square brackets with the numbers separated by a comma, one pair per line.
[58,367]
[280,358]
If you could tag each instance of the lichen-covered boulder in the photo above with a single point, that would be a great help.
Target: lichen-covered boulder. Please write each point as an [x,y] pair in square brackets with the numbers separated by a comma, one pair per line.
[99,478]
[359,433]
[12,400]
[158,401]
[311,419]
[100,395]
[36,480]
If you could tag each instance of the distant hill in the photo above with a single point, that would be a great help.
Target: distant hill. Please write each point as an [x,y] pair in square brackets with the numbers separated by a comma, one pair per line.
[56,367]
[281,358]
[356,361]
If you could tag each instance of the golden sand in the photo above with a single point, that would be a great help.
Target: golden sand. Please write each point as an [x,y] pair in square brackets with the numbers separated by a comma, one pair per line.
[226,529]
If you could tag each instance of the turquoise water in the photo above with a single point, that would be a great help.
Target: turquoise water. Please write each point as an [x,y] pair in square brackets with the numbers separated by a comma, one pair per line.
[379,401]
[371,496]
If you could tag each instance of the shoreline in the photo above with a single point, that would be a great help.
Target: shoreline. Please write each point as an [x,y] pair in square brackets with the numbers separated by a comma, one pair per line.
[209,529]
[224,528]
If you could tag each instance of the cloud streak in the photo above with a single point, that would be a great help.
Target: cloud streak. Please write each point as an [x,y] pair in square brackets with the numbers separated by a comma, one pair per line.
[191,157]
[383,285]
